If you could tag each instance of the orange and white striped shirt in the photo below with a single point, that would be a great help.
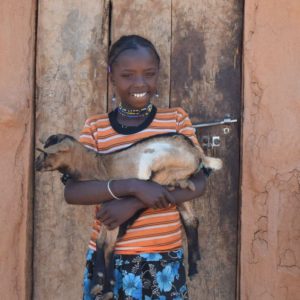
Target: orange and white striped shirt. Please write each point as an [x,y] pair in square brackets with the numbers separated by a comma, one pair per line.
[156,230]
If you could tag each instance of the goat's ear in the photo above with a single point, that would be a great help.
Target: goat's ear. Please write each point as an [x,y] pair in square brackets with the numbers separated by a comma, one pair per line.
[40,150]
[64,146]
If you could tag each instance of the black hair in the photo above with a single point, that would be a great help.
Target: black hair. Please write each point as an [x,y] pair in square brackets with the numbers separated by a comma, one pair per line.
[127,42]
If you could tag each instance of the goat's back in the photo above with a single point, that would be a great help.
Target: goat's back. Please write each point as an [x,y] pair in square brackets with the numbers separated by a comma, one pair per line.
[161,153]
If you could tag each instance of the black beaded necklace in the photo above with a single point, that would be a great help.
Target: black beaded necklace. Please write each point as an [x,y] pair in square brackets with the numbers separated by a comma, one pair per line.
[135,113]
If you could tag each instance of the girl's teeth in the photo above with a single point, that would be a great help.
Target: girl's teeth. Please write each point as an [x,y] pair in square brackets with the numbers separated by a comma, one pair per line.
[139,95]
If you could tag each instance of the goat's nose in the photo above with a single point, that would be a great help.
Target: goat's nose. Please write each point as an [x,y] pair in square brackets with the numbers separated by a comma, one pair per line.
[38,164]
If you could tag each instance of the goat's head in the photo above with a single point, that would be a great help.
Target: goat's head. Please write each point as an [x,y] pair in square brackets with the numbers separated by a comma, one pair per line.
[56,153]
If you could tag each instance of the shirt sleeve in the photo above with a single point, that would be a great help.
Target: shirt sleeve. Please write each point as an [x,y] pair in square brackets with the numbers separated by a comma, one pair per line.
[87,137]
[184,126]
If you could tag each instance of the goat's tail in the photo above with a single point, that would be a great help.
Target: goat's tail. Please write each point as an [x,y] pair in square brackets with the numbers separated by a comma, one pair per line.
[209,162]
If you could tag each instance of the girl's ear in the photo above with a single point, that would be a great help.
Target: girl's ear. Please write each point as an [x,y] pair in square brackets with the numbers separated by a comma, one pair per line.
[111,78]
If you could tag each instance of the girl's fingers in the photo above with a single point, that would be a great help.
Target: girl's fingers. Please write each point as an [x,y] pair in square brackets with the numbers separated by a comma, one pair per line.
[170,198]
[102,215]
[159,204]
[164,203]
[112,226]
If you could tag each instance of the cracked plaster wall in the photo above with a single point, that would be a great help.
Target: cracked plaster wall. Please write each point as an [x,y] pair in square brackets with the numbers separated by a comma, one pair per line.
[16,97]
[270,222]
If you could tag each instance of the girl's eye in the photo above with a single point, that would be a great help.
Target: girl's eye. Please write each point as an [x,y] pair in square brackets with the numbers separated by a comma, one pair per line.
[150,74]
[126,75]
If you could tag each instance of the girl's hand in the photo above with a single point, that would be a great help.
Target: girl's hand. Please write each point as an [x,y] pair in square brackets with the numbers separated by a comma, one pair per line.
[115,212]
[152,194]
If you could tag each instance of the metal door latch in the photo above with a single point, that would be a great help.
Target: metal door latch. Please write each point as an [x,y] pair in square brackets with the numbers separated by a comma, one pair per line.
[209,142]
[227,120]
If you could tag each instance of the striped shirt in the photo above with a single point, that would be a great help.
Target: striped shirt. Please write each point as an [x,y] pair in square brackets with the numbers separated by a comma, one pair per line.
[156,230]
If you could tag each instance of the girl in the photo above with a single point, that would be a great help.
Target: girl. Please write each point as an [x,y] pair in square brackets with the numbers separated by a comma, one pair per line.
[149,257]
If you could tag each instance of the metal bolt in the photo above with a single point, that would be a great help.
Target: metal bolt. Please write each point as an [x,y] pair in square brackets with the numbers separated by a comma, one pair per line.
[226,130]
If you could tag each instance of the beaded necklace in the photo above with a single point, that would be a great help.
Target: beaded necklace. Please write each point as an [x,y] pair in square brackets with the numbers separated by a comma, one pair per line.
[135,113]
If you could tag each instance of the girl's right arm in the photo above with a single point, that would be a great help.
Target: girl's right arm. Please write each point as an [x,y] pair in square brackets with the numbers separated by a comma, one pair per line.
[96,191]
[93,191]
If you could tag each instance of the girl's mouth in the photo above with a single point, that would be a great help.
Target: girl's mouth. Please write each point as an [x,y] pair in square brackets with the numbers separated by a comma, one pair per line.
[139,95]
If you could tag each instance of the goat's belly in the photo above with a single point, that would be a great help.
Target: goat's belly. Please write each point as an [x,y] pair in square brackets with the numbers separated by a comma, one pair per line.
[162,156]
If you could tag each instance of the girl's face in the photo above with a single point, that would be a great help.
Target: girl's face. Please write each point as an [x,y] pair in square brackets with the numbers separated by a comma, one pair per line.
[134,76]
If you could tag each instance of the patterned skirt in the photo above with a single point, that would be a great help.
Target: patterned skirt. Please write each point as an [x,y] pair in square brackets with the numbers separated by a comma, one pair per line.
[147,276]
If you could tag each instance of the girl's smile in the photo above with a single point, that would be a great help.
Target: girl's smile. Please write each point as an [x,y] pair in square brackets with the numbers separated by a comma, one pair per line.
[134,77]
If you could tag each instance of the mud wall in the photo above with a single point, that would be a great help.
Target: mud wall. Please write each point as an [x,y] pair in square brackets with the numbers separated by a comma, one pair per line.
[17,37]
[270,223]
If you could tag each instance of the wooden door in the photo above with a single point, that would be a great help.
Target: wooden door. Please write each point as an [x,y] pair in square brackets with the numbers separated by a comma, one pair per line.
[200,46]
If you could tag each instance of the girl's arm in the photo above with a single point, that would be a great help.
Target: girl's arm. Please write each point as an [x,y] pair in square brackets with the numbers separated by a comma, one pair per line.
[182,195]
[116,212]
[96,191]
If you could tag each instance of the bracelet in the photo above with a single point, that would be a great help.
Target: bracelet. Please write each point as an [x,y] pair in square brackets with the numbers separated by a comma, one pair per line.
[110,191]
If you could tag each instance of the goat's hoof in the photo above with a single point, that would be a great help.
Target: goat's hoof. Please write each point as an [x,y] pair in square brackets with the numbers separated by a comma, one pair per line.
[185,183]
[171,188]
[97,289]
[193,271]
[192,277]
[108,296]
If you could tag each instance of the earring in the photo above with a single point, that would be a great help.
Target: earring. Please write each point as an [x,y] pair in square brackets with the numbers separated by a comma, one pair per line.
[113,100]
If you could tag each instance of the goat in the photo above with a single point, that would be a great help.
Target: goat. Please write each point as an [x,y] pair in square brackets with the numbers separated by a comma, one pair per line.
[168,159]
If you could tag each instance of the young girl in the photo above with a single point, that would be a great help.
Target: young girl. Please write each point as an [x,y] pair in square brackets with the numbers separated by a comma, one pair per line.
[149,257]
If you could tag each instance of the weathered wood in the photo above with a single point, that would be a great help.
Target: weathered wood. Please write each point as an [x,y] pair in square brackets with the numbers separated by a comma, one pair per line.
[72,85]
[205,80]
[152,20]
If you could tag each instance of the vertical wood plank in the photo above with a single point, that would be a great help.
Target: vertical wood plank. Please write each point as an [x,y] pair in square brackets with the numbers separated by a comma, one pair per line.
[206,81]
[72,85]
[152,20]
[17,41]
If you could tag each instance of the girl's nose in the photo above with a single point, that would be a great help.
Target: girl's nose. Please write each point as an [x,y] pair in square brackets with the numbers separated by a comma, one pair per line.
[139,81]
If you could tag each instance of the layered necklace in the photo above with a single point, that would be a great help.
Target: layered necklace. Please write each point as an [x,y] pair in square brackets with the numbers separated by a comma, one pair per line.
[134,113]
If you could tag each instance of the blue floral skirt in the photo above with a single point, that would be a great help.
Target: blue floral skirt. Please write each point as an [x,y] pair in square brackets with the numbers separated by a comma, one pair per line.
[155,276]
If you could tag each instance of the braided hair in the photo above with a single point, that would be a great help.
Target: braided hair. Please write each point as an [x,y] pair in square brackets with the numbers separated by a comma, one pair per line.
[127,42]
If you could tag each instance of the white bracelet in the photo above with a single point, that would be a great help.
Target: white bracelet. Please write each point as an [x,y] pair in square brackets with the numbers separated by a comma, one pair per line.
[110,191]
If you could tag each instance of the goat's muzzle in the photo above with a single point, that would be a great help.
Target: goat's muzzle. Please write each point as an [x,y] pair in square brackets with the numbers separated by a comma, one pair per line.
[40,161]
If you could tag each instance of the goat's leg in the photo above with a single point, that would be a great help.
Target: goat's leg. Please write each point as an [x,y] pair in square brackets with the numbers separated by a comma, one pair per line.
[109,279]
[190,223]
[174,177]
[99,264]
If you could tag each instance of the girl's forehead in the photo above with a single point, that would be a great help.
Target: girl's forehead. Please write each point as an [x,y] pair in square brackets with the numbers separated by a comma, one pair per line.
[136,58]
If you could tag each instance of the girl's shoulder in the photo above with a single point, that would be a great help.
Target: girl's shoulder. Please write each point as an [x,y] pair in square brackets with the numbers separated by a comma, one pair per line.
[96,119]
[176,112]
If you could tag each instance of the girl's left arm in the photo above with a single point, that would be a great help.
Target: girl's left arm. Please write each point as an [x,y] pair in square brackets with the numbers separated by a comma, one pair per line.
[182,195]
